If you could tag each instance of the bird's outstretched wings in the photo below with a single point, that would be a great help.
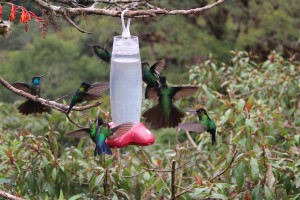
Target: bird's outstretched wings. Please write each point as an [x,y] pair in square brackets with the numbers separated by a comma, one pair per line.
[192,126]
[158,67]
[120,130]
[22,86]
[79,133]
[182,92]
[95,91]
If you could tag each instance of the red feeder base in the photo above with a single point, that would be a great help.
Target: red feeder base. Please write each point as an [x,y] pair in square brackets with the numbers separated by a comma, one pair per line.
[138,135]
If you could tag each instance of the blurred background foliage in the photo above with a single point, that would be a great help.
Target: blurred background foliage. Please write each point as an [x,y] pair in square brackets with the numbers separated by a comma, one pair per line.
[253,96]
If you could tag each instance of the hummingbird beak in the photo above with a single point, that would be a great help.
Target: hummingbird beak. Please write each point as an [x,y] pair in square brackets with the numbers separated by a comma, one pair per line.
[42,75]
[192,111]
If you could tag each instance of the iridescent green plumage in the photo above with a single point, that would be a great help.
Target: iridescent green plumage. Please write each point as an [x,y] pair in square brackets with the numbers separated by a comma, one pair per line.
[99,131]
[88,92]
[151,75]
[29,106]
[165,114]
[205,124]
[102,53]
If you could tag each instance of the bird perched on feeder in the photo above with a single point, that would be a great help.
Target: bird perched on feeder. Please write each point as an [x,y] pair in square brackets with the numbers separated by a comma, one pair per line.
[101,52]
[88,92]
[165,114]
[205,124]
[151,75]
[29,106]
[99,131]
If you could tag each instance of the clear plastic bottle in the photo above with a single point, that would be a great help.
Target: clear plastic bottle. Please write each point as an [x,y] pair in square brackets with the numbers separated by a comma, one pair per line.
[125,80]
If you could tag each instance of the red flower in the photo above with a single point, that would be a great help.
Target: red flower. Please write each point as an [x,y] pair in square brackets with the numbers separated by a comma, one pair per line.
[0,12]
[12,15]
[25,17]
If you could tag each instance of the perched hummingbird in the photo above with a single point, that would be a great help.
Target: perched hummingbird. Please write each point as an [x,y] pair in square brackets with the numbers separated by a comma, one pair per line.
[165,114]
[101,52]
[205,124]
[151,75]
[99,131]
[88,92]
[29,106]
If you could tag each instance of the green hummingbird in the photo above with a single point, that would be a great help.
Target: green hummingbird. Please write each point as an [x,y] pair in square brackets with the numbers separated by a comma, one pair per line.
[87,92]
[151,75]
[165,114]
[99,131]
[101,52]
[205,124]
[29,106]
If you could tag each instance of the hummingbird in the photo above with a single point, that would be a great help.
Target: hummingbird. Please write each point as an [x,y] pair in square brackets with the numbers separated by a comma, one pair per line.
[99,131]
[151,75]
[165,114]
[88,92]
[205,124]
[29,106]
[101,52]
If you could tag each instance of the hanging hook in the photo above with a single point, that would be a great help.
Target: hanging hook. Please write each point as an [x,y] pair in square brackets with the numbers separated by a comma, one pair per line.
[126,32]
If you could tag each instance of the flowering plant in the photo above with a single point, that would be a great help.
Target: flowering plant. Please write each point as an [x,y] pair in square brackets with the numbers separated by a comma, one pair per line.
[26,16]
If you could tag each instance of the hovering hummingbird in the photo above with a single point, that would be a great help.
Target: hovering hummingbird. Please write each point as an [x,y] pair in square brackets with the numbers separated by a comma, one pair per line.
[205,124]
[29,106]
[165,114]
[151,75]
[99,131]
[101,52]
[88,92]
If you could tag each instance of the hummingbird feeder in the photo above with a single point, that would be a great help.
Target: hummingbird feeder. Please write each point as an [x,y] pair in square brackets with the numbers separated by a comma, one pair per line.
[126,89]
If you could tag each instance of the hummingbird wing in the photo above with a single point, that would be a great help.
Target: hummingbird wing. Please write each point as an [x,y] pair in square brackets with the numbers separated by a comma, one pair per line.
[22,86]
[152,93]
[79,133]
[158,67]
[120,130]
[182,92]
[192,126]
[95,91]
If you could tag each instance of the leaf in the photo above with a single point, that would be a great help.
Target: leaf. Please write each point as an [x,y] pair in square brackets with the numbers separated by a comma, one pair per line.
[241,104]
[251,124]
[270,176]
[115,197]
[219,196]
[268,194]
[239,175]
[255,193]
[146,176]
[254,170]
[198,179]
[170,153]
[249,103]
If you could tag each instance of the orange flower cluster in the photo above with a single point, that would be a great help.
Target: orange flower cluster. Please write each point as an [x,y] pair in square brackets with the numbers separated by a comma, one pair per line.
[25,16]
[13,11]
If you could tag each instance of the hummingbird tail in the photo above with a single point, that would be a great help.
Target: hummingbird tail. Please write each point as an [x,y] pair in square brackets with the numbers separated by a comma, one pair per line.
[102,148]
[213,138]
[157,118]
[146,92]
[32,107]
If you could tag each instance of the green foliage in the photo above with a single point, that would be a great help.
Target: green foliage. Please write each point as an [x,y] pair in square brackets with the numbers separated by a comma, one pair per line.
[256,156]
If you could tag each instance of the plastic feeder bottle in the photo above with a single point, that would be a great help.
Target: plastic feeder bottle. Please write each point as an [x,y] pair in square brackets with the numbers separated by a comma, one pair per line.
[126,89]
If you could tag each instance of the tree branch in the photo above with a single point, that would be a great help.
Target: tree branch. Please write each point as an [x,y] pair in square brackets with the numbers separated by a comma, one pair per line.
[9,196]
[52,104]
[141,13]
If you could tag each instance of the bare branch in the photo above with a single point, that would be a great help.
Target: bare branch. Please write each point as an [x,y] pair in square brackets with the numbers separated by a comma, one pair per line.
[9,196]
[141,13]
[52,104]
